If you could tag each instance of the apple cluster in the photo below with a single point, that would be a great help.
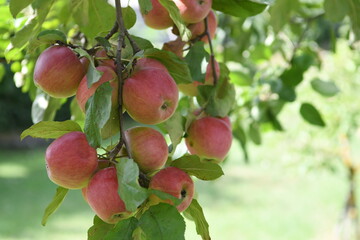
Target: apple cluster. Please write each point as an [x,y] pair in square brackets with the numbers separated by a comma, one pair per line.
[150,96]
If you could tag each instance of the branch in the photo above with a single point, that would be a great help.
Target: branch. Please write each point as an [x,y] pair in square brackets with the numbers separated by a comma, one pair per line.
[212,56]
[133,44]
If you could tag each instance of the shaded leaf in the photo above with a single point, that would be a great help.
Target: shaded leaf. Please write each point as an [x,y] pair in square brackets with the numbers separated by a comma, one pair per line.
[175,128]
[197,215]
[129,17]
[92,74]
[194,59]
[239,8]
[17,5]
[51,36]
[311,115]
[145,6]
[325,88]
[99,230]
[123,230]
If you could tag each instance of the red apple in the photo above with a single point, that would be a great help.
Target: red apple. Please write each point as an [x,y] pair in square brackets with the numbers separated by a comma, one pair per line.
[71,161]
[158,17]
[190,89]
[210,138]
[175,46]
[198,29]
[85,62]
[143,63]
[58,72]
[193,11]
[102,196]
[148,148]
[173,181]
[104,60]
[150,95]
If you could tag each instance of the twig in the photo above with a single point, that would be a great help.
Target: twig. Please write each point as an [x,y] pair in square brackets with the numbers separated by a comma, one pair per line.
[212,56]
[133,44]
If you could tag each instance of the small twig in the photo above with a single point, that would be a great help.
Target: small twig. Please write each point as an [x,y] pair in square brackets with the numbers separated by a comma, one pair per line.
[133,44]
[111,33]
[212,55]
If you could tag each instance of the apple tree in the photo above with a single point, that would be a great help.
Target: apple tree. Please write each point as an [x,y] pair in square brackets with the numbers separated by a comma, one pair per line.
[227,72]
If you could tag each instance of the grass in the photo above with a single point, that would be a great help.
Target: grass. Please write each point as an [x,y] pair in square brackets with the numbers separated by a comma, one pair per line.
[260,201]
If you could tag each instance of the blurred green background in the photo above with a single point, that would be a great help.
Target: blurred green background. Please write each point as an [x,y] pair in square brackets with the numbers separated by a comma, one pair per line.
[294,186]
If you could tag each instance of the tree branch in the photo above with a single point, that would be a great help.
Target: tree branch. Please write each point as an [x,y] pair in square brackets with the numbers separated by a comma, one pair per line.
[212,55]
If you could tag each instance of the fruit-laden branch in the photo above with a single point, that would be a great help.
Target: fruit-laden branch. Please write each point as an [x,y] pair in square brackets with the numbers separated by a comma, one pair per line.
[212,55]
[119,69]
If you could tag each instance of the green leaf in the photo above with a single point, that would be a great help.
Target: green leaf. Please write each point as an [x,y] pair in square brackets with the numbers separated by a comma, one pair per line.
[175,127]
[239,8]
[174,12]
[240,135]
[129,189]
[123,230]
[163,221]
[17,5]
[55,204]
[165,196]
[325,88]
[311,115]
[197,215]
[92,74]
[44,107]
[99,230]
[97,113]
[51,36]
[50,129]
[203,170]
[354,7]
[104,42]
[129,17]
[336,10]
[177,67]
[254,133]
[93,16]
[145,6]
[194,59]
[281,12]
[33,27]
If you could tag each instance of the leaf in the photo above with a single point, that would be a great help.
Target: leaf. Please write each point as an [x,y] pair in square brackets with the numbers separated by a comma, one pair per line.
[51,36]
[123,230]
[164,196]
[239,134]
[145,6]
[311,115]
[55,204]
[104,42]
[254,133]
[129,189]
[92,75]
[174,13]
[177,67]
[197,215]
[97,113]
[99,230]
[163,221]
[175,127]
[50,129]
[354,7]
[194,60]
[17,5]
[129,17]
[203,170]
[33,27]
[336,10]
[280,13]
[239,8]
[93,16]
[325,88]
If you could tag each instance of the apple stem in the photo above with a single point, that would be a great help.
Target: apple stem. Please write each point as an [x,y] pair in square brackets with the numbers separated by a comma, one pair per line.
[212,55]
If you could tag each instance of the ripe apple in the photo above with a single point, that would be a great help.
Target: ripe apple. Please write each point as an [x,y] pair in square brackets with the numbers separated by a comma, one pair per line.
[102,195]
[158,17]
[104,60]
[147,147]
[210,138]
[58,72]
[193,11]
[198,28]
[190,89]
[85,62]
[150,95]
[173,181]
[71,161]
[143,63]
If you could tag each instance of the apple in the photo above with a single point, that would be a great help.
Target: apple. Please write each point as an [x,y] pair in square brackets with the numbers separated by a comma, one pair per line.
[143,63]
[150,95]
[198,29]
[147,147]
[85,62]
[173,181]
[190,89]
[175,46]
[58,72]
[104,60]
[193,11]
[102,196]
[158,17]
[71,161]
[210,138]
